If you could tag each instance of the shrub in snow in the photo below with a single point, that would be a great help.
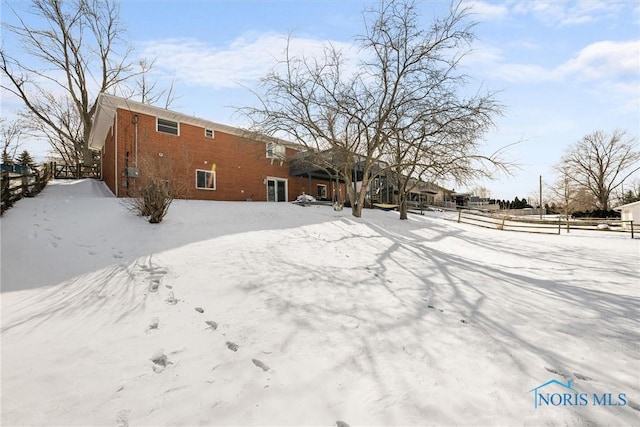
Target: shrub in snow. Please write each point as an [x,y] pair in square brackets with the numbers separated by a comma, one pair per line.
[152,192]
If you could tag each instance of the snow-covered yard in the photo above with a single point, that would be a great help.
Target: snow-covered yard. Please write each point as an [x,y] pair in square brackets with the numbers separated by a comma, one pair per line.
[276,314]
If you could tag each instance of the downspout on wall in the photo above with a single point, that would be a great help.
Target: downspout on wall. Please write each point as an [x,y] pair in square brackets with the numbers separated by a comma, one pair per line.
[135,139]
[115,154]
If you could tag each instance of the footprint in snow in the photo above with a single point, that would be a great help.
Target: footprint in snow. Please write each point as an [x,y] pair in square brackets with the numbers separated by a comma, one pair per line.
[154,324]
[172,300]
[199,309]
[261,365]
[160,361]
[123,418]
[232,346]
[213,325]
[154,285]
[341,424]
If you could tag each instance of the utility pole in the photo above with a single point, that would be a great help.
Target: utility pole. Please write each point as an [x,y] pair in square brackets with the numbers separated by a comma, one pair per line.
[540,196]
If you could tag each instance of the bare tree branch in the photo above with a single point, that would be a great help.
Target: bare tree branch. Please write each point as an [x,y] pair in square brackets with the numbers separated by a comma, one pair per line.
[11,133]
[73,56]
[601,162]
[399,110]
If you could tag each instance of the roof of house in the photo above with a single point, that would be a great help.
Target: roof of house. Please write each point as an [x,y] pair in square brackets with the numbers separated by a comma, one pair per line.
[628,205]
[107,105]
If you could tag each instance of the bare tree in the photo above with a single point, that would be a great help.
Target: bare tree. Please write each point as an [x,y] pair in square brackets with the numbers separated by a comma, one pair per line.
[481,191]
[397,111]
[147,90]
[311,103]
[74,55]
[600,163]
[11,133]
[66,138]
[565,192]
[433,130]
[444,152]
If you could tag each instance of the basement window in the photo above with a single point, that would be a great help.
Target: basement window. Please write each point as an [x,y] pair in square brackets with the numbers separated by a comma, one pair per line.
[167,126]
[205,180]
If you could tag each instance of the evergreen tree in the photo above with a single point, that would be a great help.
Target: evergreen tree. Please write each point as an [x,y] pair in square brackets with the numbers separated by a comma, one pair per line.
[25,159]
[516,203]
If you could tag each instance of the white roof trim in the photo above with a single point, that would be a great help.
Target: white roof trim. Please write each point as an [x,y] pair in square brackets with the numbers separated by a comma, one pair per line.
[628,205]
[109,104]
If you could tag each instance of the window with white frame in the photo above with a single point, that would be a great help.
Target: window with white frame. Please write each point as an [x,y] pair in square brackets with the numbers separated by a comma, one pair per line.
[167,126]
[208,133]
[275,151]
[205,180]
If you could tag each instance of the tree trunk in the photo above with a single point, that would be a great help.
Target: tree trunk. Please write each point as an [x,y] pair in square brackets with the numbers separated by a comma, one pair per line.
[351,194]
[356,207]
[403,206]
[403,193]
[356,210]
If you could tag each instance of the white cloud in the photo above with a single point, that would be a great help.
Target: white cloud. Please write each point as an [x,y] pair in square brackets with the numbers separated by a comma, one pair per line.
[605,60]
[487,11]
[243,61]
[561,13]
[601,61]
[523,73]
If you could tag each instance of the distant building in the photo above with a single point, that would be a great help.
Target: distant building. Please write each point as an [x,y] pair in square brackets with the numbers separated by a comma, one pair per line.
[629,212]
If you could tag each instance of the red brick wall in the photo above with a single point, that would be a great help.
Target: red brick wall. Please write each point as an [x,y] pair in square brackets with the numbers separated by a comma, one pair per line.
[108,161]
[242,167]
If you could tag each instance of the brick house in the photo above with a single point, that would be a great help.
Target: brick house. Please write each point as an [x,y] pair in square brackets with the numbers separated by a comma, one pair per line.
[217,162]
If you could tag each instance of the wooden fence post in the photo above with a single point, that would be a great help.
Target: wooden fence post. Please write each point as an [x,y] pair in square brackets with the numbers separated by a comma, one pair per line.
[632,229]
[6,202]
[459,214]
[25,182]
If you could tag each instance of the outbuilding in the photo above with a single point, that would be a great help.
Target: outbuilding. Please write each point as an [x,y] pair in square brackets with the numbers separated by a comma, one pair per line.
[629,212]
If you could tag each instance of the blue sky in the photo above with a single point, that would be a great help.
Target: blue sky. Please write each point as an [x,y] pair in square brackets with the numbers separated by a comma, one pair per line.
[563,69]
